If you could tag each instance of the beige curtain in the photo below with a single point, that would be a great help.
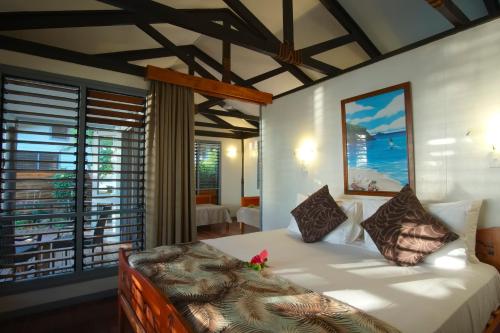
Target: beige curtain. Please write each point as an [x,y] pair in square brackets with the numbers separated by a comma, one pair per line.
[170,195]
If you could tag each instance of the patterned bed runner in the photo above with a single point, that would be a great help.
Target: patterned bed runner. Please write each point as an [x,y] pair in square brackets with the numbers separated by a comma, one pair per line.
[218,293]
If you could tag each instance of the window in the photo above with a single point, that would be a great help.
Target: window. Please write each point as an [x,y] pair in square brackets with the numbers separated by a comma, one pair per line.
[71,181]
[207,169]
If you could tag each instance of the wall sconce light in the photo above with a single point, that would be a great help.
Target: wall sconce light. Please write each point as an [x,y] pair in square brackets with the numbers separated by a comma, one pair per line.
[231,152]
[306,152]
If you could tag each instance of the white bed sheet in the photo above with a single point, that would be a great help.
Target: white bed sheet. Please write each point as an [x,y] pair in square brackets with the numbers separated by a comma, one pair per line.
[210,214]
[249,215]
[413,299]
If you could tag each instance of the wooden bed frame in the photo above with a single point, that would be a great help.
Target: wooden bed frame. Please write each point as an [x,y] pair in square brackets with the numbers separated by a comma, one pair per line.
[144,309]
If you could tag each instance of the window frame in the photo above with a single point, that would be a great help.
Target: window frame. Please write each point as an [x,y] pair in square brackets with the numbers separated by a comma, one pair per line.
[79,275]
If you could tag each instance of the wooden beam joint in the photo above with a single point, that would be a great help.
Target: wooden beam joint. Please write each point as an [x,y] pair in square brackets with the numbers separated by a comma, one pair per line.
[287,54]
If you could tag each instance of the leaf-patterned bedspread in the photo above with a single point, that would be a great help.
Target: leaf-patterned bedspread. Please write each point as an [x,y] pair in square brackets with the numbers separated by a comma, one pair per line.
[218,293]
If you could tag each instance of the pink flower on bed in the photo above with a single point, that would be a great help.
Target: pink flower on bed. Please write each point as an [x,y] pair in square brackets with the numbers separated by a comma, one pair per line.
[258,262]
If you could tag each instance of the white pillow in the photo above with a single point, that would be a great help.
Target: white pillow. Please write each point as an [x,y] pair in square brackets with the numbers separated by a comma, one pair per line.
[461,217]
[370,206]
[346,232]
[350,229]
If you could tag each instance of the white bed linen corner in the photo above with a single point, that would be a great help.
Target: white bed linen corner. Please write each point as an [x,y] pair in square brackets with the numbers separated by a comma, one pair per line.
[249,215]
[211,214]
[413,299]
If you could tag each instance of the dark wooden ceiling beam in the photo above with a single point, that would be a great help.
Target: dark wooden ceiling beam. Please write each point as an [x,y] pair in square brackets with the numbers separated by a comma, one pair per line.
[218,121]
[492,6]
[56,53]
[288,22]
[214,134]
[226,58]
[234,128]
[201,55]
[341,15]
[102,18]
[66,19]
[254,22]
[266,75]
[230,113]
[450,11]
[151,10]
[255,123]
[327,45]
[179,53]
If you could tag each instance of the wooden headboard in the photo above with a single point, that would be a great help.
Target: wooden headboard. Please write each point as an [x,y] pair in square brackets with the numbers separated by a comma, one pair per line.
[250,201]
[488,246]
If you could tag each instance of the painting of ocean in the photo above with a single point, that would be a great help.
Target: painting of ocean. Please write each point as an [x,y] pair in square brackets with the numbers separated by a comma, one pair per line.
[376,141]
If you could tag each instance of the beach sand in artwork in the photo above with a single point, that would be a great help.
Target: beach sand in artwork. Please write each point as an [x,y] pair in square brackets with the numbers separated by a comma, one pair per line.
[360,180]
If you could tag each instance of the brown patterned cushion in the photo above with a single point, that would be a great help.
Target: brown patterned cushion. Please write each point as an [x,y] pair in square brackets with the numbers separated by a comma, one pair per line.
[404,231]
[318,215]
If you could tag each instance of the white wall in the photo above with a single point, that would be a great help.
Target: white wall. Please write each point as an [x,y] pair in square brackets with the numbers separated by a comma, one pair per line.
[48,295]
[456,90]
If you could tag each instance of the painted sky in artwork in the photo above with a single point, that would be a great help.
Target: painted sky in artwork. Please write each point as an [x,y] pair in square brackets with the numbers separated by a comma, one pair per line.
[384,113]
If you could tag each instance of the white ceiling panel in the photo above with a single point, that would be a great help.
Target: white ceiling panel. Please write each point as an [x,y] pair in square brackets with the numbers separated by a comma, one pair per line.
[177,35]
[244,62]
[236,122]
[279,84]
[248,108]
[165,62]
[315,26]
[90,39]
[344,56]
[391,24]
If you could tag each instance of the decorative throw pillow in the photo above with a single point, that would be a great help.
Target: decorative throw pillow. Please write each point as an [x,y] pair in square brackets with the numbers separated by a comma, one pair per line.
[347,232]
[404,231]
[318,215]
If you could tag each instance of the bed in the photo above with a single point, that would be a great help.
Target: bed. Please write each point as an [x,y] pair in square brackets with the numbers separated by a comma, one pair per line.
[248,216]
[455,300]
[207,212]
[249,213]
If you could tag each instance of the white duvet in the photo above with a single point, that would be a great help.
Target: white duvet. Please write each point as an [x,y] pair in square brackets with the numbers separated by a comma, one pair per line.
[413,299]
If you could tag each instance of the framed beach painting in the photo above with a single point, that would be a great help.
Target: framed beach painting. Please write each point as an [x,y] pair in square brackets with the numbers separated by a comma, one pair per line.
[377,133]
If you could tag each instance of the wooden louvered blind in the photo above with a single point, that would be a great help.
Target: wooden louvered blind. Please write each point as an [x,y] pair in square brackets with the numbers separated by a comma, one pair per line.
[71,179]
[114,176]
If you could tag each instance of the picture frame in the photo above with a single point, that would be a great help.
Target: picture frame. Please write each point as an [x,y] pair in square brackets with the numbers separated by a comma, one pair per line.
[377,136]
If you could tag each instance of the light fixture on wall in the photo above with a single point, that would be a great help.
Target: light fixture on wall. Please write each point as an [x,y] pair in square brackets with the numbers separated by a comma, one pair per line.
[305,153]
[231,152]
